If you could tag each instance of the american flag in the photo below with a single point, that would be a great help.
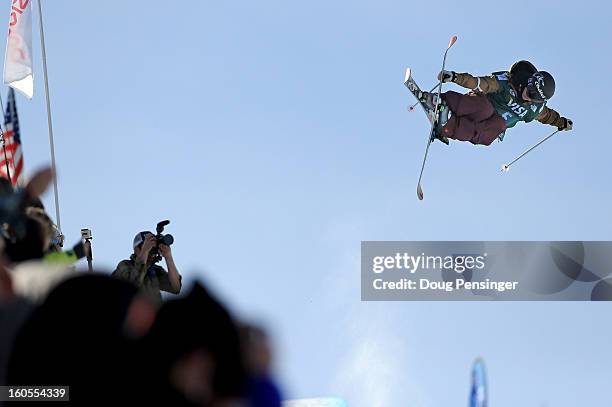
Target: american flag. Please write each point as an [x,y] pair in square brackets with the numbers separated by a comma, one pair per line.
[12,159]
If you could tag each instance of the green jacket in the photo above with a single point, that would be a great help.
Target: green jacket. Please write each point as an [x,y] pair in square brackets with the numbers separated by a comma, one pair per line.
[508,105]
[150,280]
[498,90]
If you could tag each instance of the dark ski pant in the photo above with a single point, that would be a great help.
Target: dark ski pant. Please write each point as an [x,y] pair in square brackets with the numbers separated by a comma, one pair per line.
[474,119]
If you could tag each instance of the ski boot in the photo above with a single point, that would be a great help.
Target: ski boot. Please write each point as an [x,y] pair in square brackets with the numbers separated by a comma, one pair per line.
[443,117]
[429,101]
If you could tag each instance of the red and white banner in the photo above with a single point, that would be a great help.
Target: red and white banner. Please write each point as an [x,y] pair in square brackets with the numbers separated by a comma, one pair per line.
[18,59]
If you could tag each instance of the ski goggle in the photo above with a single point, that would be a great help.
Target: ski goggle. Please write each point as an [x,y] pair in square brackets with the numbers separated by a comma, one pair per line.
[535,88]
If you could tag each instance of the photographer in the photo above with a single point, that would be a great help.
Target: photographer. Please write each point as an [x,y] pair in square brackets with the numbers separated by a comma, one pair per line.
[141,269]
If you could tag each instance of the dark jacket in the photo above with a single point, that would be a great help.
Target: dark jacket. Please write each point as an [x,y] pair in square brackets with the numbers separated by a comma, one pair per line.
[150,280]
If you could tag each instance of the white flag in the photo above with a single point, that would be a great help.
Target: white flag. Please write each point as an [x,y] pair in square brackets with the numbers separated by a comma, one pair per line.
[18,59]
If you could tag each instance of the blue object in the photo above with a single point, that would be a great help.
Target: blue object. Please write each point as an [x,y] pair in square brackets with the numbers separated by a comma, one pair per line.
[478,393]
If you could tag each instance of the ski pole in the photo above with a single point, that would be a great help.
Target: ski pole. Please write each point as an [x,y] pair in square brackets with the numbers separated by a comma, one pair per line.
[506,167]
[434,122]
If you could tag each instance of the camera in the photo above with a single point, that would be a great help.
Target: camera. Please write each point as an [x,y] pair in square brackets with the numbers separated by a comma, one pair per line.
[160,238]
[86,234]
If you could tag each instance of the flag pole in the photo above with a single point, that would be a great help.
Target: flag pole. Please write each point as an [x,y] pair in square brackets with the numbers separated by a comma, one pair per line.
[50,125]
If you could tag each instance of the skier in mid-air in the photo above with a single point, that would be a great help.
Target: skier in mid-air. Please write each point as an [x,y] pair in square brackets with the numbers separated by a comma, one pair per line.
[495,104]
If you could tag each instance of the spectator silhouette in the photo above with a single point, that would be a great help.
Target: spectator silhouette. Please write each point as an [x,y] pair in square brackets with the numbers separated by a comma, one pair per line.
[76,338]
[262,391]
[194,337]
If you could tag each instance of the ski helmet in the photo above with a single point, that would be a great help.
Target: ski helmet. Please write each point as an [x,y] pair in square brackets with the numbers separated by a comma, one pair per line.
[520,72]
[541,86]
[522,66]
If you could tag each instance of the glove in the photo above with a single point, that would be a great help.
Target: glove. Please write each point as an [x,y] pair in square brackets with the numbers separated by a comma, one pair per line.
[447,76]
[567,124]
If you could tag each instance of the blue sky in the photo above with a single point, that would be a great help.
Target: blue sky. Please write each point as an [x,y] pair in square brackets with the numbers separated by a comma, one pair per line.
[275,137]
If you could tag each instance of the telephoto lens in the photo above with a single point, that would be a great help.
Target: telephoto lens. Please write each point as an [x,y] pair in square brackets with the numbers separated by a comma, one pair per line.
[166,239]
